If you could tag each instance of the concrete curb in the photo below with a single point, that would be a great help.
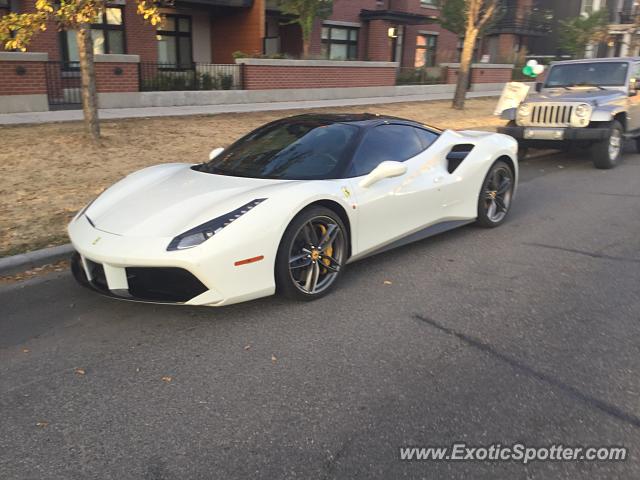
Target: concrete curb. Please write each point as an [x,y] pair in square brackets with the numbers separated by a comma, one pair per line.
[37,258]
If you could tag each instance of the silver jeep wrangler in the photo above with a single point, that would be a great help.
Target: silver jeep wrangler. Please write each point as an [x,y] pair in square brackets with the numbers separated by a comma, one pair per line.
[589,103]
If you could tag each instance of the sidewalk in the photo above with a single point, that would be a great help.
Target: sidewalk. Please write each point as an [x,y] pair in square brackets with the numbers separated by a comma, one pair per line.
[115,113]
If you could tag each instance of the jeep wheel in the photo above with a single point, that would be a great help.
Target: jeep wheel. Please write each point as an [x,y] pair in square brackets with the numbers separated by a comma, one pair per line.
[606,154]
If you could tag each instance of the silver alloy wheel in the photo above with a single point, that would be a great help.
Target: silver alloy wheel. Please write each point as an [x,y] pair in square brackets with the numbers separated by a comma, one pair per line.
[316,255]
[615,141]
[497,194]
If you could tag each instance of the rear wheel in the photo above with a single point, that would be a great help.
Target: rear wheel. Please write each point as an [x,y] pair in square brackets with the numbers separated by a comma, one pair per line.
[606,153]
[495,196]
[311,255]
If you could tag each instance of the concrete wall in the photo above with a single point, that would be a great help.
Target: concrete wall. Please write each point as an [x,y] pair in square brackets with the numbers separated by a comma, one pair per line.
[228,97]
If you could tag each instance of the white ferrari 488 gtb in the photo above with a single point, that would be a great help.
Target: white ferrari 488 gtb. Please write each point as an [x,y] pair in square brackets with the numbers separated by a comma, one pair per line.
[286,207]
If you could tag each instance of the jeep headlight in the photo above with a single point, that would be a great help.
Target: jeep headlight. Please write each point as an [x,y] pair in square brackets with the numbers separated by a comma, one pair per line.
[524,110]
[583,110]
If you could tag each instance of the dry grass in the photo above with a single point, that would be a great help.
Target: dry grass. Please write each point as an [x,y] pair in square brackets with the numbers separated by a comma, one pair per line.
[48,172]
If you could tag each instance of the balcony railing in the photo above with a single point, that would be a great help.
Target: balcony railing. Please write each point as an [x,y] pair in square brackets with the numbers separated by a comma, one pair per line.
[625,16]
[536,22]
[196,76]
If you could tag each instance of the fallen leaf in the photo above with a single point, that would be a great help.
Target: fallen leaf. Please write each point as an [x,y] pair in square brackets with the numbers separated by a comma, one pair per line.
[247,347]
[387,282]
[274,359]
[25,350]
[167,379]
[80,371]
[42,424]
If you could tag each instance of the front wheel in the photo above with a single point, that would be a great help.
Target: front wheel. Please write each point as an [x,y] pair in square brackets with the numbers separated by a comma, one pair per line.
[606,154]
[311,255]
[495,196]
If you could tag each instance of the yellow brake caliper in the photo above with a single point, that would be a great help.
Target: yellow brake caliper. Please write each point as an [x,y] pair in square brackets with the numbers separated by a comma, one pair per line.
[329,252]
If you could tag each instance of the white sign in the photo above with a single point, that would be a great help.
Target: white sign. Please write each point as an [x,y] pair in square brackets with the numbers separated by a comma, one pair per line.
[512,95]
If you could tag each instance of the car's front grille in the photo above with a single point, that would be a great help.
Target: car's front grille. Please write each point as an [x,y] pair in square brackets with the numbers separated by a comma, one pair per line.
[163,284]
[151,284]
[98,278]
[549,115]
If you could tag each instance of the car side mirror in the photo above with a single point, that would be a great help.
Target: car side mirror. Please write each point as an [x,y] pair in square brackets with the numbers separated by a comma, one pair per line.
[538,87]
[386,169]
[215,152]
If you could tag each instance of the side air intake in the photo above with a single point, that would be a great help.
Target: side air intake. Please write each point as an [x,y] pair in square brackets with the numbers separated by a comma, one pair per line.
[457,154]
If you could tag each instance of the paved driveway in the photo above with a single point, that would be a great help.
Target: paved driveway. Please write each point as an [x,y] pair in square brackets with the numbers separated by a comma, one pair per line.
[529,332]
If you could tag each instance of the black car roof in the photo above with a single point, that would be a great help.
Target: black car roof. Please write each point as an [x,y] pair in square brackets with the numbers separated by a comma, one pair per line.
[364,120]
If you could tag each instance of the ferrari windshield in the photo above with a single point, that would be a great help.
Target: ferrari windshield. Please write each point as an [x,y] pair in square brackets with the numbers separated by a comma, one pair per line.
[603,74]
[290,150]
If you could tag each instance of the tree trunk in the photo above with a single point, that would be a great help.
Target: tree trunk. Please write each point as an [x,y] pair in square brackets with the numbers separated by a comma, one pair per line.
[88,77]
[465,68]
[306,48]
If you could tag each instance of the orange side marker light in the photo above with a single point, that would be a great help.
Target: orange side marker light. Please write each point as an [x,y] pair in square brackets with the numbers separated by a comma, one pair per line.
[249,260]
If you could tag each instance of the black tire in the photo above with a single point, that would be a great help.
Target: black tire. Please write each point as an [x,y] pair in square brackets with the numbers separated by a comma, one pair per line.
[637,140]
[494,201]
[602,155]
[308,225]
[523,150]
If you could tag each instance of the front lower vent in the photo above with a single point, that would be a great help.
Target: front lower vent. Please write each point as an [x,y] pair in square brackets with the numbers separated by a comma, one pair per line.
[163,284]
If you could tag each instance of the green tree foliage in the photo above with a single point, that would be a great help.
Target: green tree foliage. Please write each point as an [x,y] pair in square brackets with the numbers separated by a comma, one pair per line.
[306,12]
[453,16]
[576,33]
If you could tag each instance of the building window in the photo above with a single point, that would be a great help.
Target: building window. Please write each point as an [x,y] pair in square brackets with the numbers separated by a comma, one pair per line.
[174,42]
[587,7]
[4,3]
[340,43]
[426,51]
[107,33]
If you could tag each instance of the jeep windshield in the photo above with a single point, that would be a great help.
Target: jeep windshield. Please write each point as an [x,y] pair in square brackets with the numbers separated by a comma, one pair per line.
[596,74]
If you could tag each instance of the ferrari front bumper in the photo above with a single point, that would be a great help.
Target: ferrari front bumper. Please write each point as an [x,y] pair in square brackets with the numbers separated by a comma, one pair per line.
[141,269]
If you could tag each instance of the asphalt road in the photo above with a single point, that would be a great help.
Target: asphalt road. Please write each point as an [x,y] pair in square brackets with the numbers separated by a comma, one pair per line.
[526,333]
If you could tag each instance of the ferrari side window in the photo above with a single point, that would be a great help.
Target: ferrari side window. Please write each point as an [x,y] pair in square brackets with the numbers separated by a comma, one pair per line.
[385,142]
[426,137]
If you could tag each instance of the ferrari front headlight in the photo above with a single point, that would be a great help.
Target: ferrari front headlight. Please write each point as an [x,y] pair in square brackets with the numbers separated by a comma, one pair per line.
[201,233]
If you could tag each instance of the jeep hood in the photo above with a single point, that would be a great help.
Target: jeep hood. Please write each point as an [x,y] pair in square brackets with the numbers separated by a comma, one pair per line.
[590,95]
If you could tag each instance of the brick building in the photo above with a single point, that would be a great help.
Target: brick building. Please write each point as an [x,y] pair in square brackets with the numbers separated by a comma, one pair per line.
[209,31]
[404,31]
[202,31]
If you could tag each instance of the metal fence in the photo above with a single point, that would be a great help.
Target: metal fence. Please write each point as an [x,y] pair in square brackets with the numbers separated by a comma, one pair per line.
[63,85]
[197,76]
[420,76]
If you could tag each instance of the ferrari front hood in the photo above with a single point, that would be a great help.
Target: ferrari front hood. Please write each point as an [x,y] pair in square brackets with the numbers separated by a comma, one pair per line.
[166,200]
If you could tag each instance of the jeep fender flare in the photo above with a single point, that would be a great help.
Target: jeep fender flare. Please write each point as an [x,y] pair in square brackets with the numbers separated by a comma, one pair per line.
[606,114]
